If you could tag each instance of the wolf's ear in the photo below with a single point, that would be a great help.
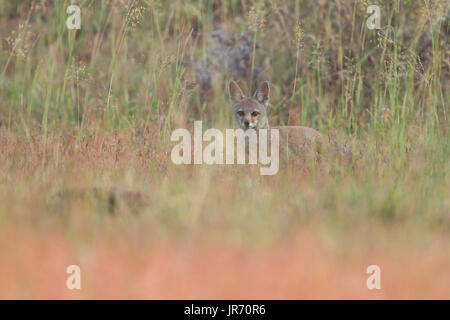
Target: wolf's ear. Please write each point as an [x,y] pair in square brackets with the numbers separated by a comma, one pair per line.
[235,92]
[262,93]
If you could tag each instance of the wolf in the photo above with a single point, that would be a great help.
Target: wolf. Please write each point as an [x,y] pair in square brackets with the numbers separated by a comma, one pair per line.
[296,142]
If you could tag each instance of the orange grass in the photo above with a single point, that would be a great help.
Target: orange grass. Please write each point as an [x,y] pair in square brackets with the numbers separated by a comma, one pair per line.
[33,268]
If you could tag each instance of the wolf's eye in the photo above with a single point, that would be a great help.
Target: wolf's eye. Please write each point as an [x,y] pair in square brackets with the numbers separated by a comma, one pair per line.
[255,113]
[240,113]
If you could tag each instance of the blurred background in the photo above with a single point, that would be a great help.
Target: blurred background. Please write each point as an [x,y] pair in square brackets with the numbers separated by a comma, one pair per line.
[85,170]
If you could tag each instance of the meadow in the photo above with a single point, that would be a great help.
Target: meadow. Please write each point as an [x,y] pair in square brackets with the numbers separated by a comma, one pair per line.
[86,176]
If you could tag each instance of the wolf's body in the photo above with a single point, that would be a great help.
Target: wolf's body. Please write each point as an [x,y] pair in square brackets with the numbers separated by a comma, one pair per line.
[296,142]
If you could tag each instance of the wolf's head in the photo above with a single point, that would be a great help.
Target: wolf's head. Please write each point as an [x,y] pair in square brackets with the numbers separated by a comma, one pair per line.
[249,112]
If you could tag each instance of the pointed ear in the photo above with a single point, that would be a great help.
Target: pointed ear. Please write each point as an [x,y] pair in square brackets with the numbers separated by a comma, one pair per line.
[235,92]
[262,93]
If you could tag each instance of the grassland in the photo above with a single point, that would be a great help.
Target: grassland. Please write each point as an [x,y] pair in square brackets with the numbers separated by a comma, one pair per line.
[85,170]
